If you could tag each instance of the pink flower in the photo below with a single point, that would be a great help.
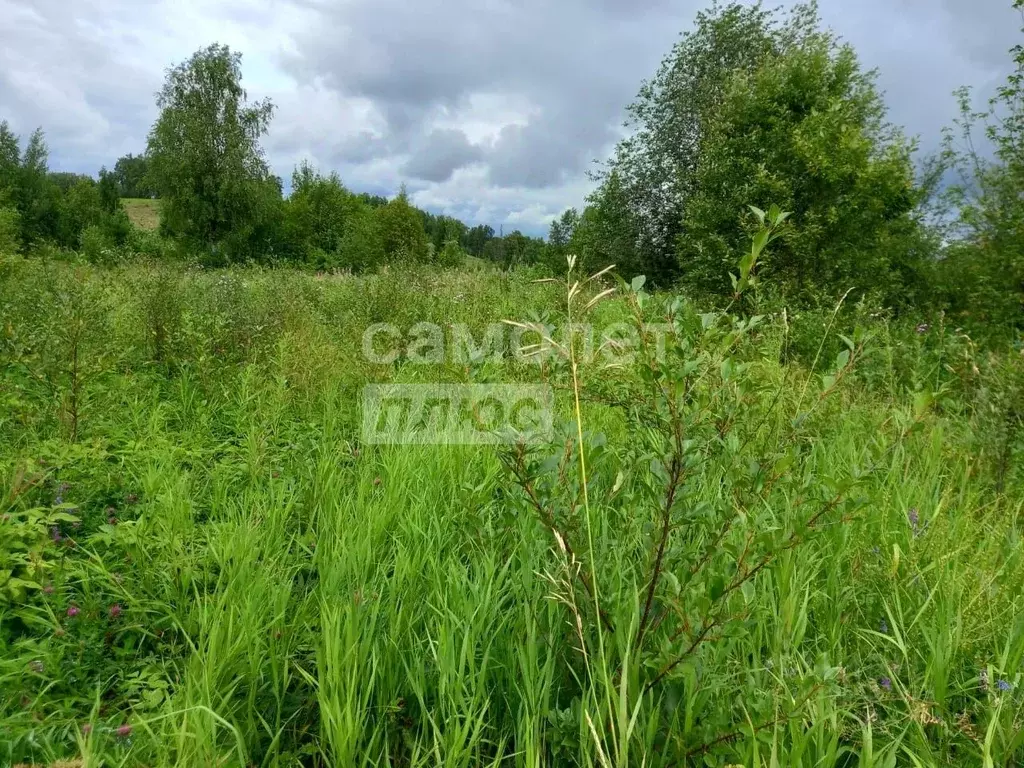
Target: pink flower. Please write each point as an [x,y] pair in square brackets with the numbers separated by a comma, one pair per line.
[73,610]
[124,731]
[115,610]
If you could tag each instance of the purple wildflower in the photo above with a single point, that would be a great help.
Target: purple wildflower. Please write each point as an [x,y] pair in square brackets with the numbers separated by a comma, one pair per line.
[1004,686]
[73,610]
[55,534]
[59,496]
[124,731]
[913,518]
[886,683]
[115,611]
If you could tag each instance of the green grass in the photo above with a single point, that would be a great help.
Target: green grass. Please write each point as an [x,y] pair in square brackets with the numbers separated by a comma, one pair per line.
[290,596]
[143,212]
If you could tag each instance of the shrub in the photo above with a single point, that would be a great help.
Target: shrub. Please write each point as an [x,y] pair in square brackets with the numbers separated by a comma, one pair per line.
[10,230]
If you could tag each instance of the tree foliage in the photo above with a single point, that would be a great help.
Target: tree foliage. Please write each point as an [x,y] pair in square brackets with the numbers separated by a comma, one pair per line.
[39,206]
[401,230]
[131,173]
[205,159]
[805,130]
[656,166]
[982,272]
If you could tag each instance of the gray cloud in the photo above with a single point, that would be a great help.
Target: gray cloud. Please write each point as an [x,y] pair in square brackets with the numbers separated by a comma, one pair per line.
[576,66]
[440,154]
[490,108]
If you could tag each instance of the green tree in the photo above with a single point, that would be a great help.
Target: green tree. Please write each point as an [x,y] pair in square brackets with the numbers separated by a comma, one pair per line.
[476,238]
[362,247]
[656,165]
[401,230]
[80,207]
[560,235]
[65,180]
[10,167]
[316,215]
[36,197]
[205,159]
[451,254]
[805,130]
[110,193]
[606,232]
[10,160]
[131,173]
[982,274]
[10,230]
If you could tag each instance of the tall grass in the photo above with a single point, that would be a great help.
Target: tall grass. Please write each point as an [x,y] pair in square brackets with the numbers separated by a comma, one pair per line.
[200,563]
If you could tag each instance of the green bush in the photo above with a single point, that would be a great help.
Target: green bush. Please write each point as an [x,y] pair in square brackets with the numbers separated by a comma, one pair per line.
[10,230]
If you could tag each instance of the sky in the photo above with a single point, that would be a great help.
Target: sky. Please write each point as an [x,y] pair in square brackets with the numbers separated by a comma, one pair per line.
[489,110]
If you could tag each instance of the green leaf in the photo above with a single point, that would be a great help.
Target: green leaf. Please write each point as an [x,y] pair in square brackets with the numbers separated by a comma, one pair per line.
[748,592]
[922,402]
[638,283]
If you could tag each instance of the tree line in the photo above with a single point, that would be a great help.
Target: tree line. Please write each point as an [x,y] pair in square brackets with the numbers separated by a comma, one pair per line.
[219,202]
[752,108]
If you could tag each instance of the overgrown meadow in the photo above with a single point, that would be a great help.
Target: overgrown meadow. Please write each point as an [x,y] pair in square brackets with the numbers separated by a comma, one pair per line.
[781,538]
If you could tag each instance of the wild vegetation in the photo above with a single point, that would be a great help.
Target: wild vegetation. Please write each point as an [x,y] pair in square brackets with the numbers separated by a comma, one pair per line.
[777,520]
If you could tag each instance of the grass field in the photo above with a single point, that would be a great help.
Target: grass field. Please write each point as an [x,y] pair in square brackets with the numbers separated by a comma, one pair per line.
[143,212]
[814,563]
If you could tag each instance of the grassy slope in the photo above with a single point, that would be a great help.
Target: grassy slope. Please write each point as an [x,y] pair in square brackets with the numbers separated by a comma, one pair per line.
[143,212]
[287,591]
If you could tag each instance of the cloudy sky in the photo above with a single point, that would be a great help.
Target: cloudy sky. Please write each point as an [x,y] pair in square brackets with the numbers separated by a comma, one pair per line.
[490,110]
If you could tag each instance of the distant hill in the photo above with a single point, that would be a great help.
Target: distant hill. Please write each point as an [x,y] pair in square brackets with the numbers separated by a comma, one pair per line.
[143,212]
